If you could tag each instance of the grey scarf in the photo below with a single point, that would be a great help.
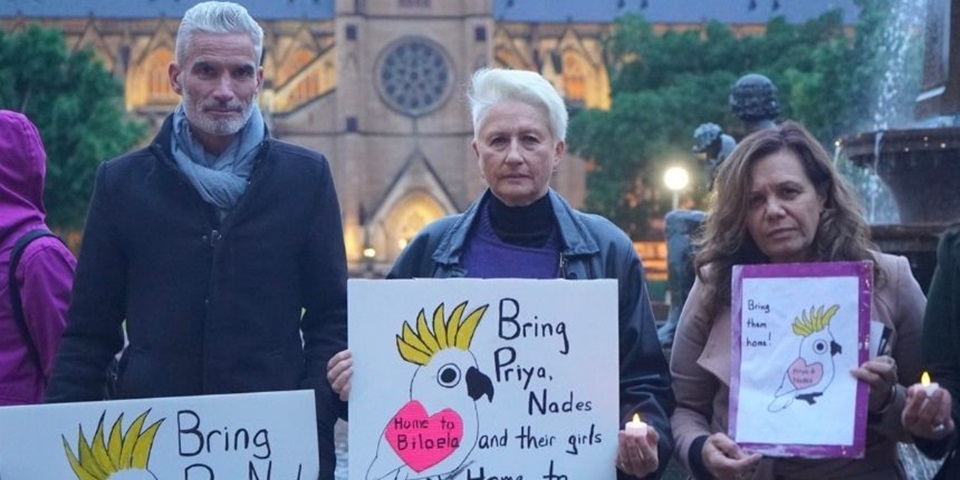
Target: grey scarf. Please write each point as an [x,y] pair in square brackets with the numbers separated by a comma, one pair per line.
[220,180]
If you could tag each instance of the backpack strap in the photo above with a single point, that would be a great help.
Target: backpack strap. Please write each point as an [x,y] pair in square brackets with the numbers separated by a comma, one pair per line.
[14,288]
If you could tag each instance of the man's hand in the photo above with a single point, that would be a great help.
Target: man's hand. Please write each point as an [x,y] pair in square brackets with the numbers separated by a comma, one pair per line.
[339,373]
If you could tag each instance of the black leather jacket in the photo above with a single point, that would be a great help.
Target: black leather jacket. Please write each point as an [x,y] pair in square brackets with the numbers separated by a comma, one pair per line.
[592,247]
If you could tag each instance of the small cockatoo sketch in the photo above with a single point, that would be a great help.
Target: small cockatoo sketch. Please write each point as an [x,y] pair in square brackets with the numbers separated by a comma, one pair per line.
[811,373]
[432,435]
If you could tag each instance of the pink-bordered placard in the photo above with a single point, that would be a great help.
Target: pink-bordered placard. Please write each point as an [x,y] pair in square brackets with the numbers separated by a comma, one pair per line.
[782,318]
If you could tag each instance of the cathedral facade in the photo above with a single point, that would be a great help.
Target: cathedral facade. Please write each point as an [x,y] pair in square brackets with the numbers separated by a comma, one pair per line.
[379,86]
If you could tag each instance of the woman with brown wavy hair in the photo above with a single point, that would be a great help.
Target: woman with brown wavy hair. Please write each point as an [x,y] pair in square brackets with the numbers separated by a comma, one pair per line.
[779,199]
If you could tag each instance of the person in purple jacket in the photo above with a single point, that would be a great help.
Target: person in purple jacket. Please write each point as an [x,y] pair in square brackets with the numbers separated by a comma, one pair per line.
[44,274]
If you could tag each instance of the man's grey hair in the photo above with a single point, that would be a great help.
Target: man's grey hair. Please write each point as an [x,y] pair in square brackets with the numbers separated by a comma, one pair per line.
[217,17]
[491,86]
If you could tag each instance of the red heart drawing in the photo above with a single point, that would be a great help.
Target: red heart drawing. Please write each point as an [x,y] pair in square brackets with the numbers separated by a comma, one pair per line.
[803,375]
[422,440]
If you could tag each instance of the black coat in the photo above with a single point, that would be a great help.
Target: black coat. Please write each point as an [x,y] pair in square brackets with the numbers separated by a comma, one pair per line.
[211,307]
[941,345]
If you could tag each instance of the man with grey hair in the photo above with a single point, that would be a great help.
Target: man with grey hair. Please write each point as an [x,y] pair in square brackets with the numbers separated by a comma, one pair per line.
[219,247]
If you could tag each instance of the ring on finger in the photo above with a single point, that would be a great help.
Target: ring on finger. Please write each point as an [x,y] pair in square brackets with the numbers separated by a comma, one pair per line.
[939,428]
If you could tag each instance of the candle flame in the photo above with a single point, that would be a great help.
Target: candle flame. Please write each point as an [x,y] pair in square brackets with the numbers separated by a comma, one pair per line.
[925,379]
[636,416]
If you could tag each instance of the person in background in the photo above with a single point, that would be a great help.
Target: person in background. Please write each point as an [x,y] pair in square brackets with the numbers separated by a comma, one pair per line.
[43,276]
[220,247]
[779,199]
[521,228]
[931,416]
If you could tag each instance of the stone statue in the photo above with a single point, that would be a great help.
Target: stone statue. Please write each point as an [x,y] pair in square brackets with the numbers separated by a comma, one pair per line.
[680,225]
[710,140]
[753,99]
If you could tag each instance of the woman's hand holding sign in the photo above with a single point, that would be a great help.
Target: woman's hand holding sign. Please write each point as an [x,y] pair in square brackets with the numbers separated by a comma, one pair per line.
[881,374]
[725,459]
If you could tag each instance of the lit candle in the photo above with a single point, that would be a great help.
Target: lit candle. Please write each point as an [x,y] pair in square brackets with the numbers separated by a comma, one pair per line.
[928,386]
[636,425]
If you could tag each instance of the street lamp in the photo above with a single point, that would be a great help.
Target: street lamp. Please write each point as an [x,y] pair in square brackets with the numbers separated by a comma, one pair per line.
[676,179]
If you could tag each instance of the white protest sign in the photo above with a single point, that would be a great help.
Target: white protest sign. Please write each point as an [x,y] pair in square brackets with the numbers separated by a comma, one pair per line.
[493,379]
[255,436]
[798,330]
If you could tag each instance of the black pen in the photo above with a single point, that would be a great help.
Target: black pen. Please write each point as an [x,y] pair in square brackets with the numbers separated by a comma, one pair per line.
[884,340]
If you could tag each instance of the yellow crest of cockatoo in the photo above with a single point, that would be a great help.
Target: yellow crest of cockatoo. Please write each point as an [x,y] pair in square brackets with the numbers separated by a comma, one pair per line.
[806,325]
[453,332]
[118,456]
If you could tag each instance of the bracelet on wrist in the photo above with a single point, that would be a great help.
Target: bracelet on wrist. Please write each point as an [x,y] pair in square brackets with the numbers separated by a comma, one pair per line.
[891,394]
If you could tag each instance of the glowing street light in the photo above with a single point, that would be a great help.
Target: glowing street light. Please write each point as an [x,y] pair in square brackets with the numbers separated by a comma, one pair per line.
[676,179]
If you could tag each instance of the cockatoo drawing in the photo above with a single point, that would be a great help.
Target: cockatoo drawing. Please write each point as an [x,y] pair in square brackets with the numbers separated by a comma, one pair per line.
[812,372]
[432,435]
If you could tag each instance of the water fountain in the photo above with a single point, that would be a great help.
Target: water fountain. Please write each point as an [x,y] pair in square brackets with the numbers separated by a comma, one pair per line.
[918,163]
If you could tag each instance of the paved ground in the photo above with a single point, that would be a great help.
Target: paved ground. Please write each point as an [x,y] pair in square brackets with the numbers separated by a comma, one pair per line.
[674,472]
